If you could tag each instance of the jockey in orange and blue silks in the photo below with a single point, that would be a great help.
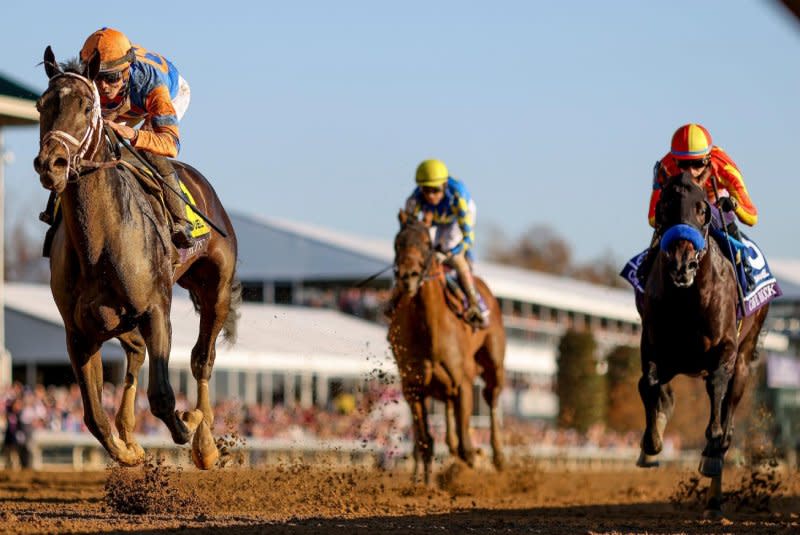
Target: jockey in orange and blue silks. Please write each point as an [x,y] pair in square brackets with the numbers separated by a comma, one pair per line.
[141,88]
[692,151]
[446,203]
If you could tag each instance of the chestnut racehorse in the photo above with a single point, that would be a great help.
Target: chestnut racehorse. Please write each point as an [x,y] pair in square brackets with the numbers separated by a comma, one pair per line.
[438,354]
[690,326]
[112,268]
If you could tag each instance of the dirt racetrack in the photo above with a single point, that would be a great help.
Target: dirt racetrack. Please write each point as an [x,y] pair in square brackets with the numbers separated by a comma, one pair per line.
[303,499]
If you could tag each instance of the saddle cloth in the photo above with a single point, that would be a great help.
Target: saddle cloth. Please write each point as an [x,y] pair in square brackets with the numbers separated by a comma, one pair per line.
[764,287]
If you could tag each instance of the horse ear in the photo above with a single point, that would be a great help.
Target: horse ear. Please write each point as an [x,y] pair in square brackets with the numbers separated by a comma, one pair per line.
[402,216]
[93,67]
[51,66]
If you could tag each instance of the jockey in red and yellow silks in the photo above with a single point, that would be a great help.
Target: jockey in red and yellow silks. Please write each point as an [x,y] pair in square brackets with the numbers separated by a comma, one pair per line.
[729,182]
[692,151]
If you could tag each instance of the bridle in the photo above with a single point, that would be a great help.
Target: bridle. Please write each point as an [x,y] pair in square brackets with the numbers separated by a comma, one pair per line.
[80,153]
[424,274]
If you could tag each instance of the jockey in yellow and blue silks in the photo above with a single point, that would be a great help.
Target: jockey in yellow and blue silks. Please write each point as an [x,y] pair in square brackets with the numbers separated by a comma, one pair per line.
[446,203]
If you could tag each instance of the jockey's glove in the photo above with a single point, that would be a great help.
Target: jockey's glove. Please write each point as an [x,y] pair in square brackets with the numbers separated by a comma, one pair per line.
[727,204]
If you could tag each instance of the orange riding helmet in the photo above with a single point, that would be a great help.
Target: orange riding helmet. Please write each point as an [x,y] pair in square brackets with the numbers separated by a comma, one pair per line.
[691,142]
[116,51]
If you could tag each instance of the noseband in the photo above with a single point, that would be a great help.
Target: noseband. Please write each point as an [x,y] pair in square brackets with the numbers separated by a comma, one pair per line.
[77,149]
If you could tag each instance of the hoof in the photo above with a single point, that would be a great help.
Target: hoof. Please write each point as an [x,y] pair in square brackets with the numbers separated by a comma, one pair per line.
[647,461]
[128,454]
[713,514]
[191,418]
[204,449]
[710,466]
[499,462]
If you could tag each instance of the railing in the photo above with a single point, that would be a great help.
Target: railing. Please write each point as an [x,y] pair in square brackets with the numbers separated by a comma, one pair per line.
[80,451]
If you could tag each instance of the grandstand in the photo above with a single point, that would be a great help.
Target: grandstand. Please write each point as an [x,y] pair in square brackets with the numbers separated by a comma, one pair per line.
[296,346]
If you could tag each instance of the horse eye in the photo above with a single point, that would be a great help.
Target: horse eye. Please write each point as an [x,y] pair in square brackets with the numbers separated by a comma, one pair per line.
[88,110]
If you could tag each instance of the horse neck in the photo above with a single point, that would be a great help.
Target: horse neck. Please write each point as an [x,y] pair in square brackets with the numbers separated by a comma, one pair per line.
[430,295]
[92,208]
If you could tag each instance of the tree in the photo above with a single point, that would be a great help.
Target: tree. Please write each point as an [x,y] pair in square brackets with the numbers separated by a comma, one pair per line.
[540,248]
[625,410]
[580,388]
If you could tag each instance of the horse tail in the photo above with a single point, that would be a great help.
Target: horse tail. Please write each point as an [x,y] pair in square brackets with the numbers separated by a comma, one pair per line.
[229,328]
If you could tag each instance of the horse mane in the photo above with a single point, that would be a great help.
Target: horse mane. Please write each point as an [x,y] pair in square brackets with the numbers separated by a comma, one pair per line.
[74,65]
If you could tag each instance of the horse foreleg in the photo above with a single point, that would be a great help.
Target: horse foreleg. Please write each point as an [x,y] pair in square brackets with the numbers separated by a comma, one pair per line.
[466,451]
[88,367]
[125,421]
[156,330]
[717,388]
[423,441]
[658,403]
[450,424]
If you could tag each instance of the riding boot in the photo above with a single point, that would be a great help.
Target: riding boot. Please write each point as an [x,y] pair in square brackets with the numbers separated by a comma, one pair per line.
[733,232]
[474,315]
[49,214]
[643,271]
[181,228]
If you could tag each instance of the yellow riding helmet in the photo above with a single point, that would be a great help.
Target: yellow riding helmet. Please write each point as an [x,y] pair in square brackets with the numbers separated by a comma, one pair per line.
[116,51]
[432,173]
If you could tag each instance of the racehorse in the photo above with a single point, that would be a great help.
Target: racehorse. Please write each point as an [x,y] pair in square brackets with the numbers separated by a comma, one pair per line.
[439,354]
[112,268]
[690,326]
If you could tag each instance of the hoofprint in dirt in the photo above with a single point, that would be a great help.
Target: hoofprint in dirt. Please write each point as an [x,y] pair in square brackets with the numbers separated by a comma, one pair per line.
[297,498]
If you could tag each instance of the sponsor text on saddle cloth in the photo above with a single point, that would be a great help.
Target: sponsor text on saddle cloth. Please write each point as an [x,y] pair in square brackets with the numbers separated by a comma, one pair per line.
[764,287]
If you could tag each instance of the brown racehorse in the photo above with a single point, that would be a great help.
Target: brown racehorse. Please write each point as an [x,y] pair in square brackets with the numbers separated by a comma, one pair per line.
[112,268]
[440,355]
[689,326]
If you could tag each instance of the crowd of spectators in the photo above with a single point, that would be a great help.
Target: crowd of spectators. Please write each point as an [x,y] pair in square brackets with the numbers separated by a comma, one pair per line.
[377,415]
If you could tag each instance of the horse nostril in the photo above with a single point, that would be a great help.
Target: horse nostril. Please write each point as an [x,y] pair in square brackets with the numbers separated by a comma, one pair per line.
[37,163]
[60,162]
[693,265]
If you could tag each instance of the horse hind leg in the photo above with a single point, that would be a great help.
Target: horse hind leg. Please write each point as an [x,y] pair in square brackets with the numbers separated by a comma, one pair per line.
[125,421]
[88,367]
[215,307]
[450,427]
[490,358]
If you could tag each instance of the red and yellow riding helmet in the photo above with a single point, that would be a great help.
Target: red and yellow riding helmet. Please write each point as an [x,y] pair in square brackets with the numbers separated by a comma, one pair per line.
[691,142]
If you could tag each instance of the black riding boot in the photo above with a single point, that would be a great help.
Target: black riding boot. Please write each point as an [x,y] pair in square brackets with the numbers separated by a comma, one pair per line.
[181,229]
[49,214]
[734,233]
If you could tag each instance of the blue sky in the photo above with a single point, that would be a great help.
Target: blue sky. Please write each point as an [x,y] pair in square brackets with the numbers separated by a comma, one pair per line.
[551,112]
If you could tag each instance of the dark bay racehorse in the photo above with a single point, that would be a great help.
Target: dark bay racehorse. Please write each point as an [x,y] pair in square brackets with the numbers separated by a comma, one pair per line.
[438,354]
[112,269]
[690,326]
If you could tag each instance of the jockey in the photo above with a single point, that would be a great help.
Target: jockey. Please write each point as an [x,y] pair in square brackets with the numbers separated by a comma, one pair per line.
[693,152]
[446,203]
[139,86]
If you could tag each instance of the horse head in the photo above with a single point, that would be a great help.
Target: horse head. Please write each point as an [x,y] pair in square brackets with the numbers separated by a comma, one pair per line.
[684,216]
[70,121]
[413,251]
